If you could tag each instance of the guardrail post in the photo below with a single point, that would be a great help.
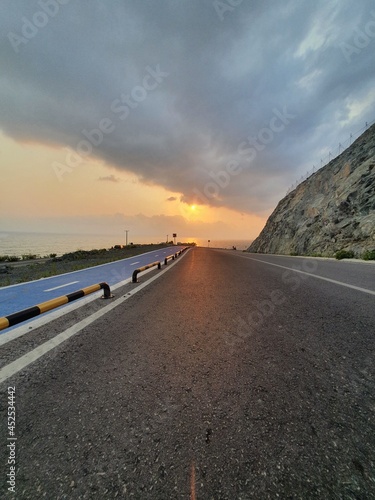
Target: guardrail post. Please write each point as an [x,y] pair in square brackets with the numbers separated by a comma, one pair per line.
[106,291]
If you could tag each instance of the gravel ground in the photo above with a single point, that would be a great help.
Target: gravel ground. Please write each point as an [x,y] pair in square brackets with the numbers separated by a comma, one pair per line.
[12,273]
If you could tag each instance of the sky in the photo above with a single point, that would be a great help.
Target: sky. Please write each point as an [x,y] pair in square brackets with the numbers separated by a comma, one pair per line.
[162,116]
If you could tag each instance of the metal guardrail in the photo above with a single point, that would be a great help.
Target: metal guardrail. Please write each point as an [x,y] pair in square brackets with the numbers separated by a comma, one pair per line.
[157,263]
[31,312]
[169,257]
[143,268]
[179,253]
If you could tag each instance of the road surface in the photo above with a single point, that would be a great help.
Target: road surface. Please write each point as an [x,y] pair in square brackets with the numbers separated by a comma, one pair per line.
[15,298]
[223,378]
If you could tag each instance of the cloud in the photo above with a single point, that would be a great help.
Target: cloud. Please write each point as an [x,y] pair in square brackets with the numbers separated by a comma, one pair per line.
[110,178]
[221,81]
[172,198]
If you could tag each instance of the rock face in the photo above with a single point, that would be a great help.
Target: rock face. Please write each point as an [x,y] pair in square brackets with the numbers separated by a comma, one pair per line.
[333,209]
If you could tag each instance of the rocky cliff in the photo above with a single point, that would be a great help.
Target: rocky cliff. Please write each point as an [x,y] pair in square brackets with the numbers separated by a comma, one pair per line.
[333,209]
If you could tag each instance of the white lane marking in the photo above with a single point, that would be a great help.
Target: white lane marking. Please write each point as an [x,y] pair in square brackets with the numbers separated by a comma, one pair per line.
[61,286]
[28,358]
[134,263]
[364,290]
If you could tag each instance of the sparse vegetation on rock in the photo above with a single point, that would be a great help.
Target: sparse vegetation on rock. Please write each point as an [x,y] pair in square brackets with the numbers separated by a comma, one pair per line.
[344,254]
[369,255]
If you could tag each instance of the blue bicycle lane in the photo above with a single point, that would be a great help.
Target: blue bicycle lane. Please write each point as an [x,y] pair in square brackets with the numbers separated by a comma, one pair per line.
[15,298]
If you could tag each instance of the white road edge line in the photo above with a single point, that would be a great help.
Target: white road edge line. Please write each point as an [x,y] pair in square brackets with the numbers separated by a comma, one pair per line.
[358,288]
[28,358]
[60,286]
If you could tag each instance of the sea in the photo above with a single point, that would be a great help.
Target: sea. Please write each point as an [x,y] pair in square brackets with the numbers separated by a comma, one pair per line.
[44,244]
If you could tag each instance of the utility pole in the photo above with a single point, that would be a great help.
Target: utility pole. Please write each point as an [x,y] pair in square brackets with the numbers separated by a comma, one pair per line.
[167,238]
[126,231]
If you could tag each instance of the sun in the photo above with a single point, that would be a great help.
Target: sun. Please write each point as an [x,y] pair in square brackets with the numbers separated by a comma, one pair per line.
[191,212]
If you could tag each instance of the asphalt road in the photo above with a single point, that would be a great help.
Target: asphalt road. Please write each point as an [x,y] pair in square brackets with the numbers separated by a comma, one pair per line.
[224,378]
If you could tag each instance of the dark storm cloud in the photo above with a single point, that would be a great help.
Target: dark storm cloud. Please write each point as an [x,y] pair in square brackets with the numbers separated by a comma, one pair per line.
[189,94]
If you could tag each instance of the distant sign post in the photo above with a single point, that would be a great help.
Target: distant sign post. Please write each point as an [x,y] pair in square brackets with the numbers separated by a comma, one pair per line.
[174,238]
[209,243]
